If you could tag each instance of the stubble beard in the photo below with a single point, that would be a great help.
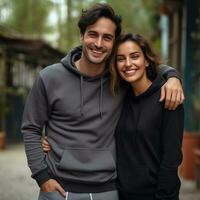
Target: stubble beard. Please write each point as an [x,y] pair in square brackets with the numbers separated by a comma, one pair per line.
[93,60]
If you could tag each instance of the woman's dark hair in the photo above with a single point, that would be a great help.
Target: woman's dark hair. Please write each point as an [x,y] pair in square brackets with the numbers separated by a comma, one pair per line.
[91,15]
[152,58]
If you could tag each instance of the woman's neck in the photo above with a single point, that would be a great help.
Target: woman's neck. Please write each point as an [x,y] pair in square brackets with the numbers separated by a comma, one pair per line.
[140,86]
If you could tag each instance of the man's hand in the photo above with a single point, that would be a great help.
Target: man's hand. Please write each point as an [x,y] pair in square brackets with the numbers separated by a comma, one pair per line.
[172,93]
[52,185]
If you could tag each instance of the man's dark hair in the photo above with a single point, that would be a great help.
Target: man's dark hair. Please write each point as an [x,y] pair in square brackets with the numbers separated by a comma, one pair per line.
[91,15]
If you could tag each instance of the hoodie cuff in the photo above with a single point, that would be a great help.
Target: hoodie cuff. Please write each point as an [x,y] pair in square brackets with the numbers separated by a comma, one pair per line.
[41,176]
[172,73]
[169,72]
[168,184]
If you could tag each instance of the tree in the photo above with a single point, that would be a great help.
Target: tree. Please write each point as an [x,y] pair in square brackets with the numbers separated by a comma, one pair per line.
[31,17]
[68,30]
[28,17]
[138,16]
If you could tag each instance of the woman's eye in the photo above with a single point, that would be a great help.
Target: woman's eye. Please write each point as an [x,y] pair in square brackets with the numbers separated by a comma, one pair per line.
[135,56]
[120,59]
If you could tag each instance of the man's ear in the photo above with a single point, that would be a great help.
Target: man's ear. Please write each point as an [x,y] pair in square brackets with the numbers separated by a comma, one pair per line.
[81,37]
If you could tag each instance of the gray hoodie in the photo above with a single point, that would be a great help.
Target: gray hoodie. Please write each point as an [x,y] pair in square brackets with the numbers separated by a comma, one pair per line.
[79,115]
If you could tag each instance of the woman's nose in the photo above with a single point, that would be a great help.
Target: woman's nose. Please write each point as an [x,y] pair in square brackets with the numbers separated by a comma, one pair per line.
[128,62]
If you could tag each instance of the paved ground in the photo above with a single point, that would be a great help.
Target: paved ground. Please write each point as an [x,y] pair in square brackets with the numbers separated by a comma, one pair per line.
[16,184]
[15,181]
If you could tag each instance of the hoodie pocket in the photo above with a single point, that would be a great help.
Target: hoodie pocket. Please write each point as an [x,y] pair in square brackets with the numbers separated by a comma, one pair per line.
[91,165]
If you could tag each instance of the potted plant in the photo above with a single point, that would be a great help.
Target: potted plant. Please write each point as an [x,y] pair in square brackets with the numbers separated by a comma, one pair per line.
[197,150]
[191,144]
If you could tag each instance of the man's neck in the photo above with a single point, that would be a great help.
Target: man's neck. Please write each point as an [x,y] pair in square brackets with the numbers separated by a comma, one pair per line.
[88,68]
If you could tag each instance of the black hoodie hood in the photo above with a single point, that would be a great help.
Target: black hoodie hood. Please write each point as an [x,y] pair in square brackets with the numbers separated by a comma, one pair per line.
[156,85]
[69,63]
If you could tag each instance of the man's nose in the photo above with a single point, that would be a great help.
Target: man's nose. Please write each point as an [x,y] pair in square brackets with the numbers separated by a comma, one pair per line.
[98,42]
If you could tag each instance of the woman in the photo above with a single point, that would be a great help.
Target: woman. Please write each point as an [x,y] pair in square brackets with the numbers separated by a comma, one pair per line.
[148,150]
[148,136]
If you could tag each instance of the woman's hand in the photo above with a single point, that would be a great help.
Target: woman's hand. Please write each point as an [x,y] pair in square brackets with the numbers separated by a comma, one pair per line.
[46,147]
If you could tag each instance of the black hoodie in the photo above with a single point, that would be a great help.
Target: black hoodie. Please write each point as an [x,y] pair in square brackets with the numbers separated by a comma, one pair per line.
[149,139]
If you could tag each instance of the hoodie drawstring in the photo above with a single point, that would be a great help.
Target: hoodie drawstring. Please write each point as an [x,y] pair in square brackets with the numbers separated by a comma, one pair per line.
[81,94]
[91,198]
[67,196]
[101,97]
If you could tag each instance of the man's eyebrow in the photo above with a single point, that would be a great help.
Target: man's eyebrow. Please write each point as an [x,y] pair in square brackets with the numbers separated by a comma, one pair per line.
[105,34]
[91,31]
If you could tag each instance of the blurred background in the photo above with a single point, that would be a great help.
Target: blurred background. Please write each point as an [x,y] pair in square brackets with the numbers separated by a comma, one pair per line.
[36,33]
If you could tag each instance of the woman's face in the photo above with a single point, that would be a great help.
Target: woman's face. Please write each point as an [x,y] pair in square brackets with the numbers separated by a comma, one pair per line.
[131,63]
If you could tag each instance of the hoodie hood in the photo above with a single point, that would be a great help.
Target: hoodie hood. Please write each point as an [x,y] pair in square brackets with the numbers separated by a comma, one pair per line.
[156,85]
[69,63]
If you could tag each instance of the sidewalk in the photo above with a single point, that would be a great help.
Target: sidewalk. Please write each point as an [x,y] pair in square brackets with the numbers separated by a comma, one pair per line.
[16,183]
[15,180]
[189,191]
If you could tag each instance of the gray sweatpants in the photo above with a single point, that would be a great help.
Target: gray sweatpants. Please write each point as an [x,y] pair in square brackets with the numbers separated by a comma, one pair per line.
[111,195]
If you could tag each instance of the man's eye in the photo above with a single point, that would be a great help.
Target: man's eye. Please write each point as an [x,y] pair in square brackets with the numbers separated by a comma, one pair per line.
[92,34]
[108,39]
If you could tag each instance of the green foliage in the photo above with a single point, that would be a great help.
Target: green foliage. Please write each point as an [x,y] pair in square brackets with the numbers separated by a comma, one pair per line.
[31,17]
[28,16]
[68,29]
[137,16]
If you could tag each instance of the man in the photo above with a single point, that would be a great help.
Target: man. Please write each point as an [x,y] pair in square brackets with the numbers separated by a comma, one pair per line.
[72,100]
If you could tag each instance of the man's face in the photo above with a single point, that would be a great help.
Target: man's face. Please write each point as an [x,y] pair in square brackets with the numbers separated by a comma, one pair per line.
[98,40]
